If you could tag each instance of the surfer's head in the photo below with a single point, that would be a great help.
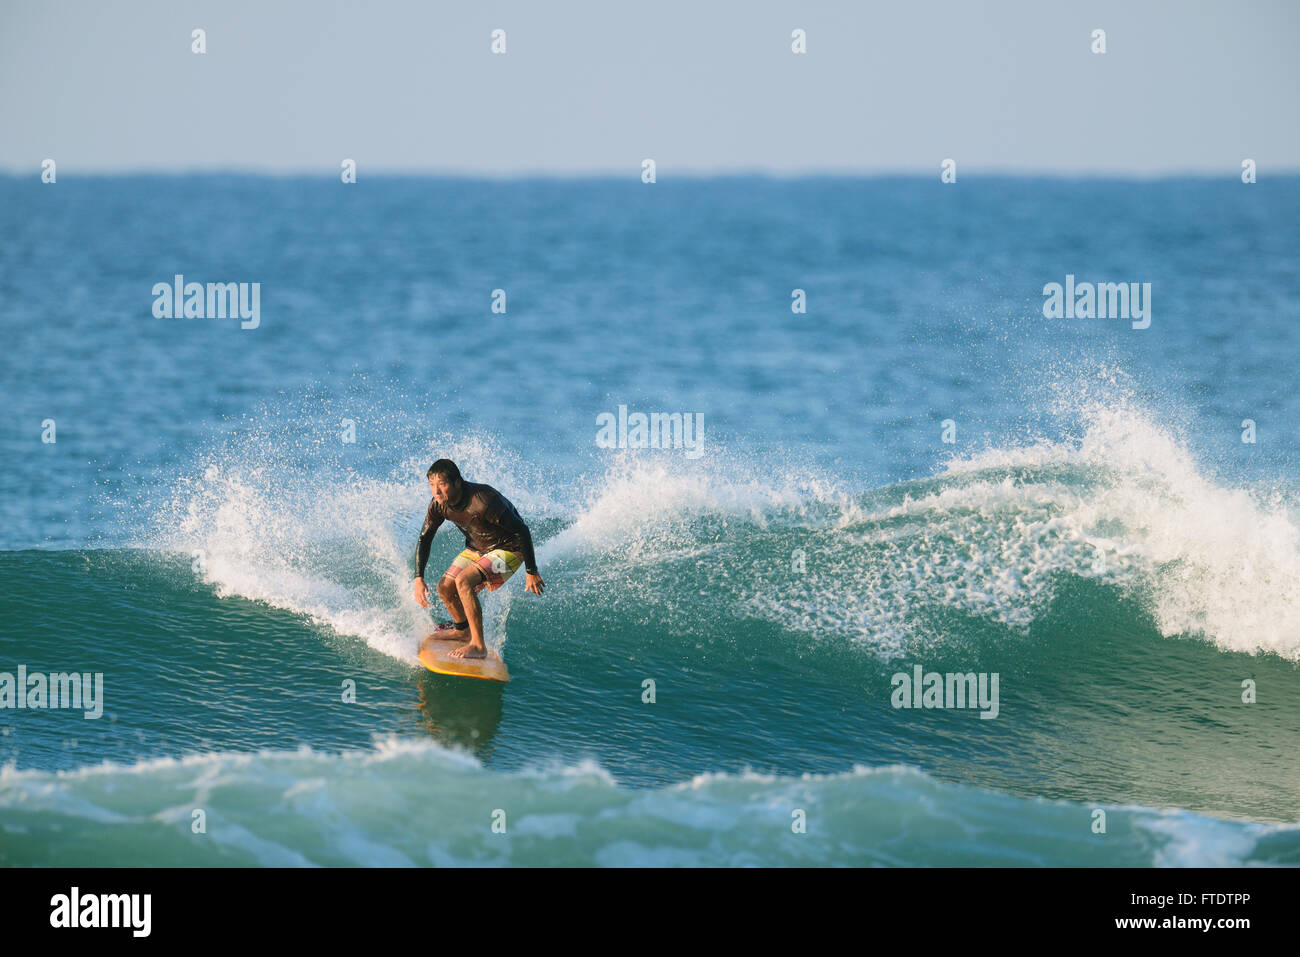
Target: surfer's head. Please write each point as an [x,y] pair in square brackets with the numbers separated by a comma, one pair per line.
[444,481]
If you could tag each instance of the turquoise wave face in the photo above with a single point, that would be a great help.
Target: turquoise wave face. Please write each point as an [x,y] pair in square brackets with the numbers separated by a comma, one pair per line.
[409,803]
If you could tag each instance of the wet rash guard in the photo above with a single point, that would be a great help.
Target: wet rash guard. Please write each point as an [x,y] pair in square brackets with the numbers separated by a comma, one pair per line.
[488,521]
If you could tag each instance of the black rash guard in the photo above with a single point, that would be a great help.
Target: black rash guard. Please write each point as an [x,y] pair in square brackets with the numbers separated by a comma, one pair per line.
[488,521]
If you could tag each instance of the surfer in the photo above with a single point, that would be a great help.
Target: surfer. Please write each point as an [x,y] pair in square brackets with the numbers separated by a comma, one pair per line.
[497,542]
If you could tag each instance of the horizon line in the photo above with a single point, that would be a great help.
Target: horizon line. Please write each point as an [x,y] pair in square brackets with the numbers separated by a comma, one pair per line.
[1230,173]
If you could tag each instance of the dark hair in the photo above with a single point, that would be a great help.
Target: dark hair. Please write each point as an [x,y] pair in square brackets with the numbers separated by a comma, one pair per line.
[446,468]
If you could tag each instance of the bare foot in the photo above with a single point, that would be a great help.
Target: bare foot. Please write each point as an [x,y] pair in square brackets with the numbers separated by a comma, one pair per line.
[446,632]
[468,651]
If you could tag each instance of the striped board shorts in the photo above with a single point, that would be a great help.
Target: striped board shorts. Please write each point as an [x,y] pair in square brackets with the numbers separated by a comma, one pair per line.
[497,566]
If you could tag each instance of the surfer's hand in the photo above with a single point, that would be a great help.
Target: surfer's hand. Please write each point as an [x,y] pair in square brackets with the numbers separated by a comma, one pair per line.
[421,593]
[533,583]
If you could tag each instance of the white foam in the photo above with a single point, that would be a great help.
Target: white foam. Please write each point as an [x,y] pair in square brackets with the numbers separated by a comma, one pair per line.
[335,547]
[1124,503]
[1219,562]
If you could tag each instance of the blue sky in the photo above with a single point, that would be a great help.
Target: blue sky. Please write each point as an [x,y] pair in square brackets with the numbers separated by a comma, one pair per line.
[701,87]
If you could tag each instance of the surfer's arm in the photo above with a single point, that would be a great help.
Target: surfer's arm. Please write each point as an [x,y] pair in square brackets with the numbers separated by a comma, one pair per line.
[532,578]
[431,522]
[526,549]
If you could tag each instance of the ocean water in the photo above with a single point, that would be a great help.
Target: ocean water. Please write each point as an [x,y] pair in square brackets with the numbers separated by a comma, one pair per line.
[919,470]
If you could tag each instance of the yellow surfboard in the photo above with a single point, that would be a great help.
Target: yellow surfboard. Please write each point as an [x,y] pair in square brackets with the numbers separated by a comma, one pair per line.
[434,655]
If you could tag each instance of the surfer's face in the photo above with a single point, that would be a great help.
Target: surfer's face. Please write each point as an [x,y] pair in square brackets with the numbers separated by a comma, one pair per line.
[440,489]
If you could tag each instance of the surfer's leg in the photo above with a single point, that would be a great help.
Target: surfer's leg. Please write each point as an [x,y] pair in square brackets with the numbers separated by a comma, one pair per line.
[450,594]
[467,583]
[451,598]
